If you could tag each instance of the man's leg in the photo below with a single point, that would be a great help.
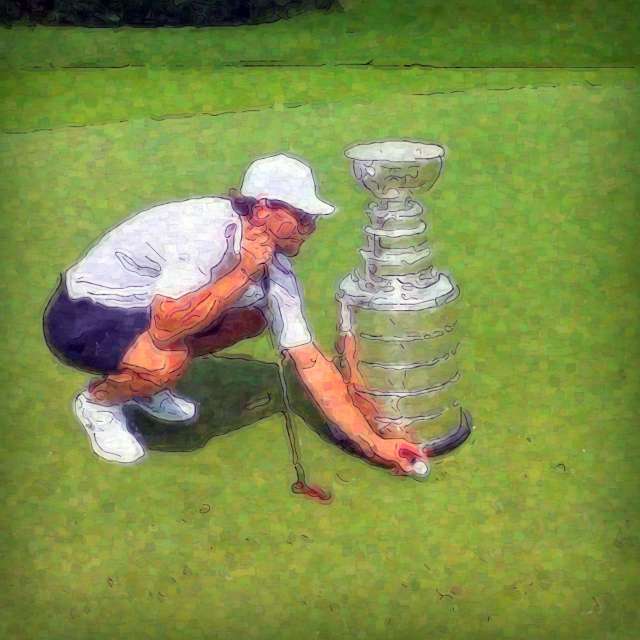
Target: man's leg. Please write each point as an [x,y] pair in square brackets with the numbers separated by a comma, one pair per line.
[93,338]
[144,371]
[146,376]
[234,326]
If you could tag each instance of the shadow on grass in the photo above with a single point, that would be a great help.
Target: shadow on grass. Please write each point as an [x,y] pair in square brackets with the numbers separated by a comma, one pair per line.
[232,392]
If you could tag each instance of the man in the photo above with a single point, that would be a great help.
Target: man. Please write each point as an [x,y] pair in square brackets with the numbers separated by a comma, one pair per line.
[189,278]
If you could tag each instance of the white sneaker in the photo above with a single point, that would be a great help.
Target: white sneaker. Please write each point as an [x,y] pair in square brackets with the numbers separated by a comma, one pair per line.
[168,406]
[107,430]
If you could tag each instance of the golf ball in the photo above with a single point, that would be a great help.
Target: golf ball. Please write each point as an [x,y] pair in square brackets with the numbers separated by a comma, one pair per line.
[420,468]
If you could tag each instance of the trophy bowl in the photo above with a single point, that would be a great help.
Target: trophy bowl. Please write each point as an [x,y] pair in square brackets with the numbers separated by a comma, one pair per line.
[390,170]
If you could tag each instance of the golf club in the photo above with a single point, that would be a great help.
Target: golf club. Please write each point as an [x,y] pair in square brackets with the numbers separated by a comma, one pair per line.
[300,485]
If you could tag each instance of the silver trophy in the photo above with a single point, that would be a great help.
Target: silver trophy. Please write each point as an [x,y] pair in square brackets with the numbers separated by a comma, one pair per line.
[397,323]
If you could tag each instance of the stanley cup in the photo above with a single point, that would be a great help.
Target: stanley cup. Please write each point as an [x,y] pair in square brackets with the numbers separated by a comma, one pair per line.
[397,322]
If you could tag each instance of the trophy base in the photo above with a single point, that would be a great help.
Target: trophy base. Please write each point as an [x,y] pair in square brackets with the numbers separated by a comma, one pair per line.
[443,445]
[437,448]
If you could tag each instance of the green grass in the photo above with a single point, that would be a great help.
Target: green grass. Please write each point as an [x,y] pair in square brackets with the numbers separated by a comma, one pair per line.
[76,97]
[536,218]
[474,33]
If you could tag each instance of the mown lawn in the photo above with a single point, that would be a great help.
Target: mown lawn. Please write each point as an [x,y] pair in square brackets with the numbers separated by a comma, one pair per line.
[478,33]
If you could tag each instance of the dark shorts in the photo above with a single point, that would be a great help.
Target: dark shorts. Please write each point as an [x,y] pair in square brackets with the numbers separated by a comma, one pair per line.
[88,335]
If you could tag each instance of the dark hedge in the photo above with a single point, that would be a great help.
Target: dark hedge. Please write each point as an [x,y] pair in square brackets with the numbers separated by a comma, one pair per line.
[113,13]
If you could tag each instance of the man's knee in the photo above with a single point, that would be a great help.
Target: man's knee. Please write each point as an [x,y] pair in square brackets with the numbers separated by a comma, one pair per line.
[251,323]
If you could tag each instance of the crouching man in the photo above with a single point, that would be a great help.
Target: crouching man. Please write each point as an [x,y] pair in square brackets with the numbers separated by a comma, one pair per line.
[189,278]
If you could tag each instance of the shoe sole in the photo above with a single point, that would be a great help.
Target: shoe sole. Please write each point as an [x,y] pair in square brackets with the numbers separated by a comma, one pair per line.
[97,449]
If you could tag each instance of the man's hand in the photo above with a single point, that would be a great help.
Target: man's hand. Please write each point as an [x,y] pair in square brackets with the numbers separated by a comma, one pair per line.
[397,453]
[256,251]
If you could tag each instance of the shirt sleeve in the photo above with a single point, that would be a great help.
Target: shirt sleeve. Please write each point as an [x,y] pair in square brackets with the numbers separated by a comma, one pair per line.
[285,306]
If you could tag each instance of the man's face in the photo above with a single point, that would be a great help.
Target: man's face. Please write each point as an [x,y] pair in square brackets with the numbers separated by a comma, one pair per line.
[289,227]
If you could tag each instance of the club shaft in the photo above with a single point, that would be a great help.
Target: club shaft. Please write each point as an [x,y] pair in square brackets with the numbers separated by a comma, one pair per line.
[290,426]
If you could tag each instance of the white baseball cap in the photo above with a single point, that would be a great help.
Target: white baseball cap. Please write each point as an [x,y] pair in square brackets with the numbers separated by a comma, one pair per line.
[287,179]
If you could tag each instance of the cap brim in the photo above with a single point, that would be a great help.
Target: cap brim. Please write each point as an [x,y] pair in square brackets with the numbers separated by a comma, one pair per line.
[319,208]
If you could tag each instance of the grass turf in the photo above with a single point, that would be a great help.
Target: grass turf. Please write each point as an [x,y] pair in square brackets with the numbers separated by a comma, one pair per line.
[528,531]
[472,33]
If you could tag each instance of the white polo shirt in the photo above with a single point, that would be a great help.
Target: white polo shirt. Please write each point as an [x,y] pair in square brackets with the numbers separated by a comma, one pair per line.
[176,248]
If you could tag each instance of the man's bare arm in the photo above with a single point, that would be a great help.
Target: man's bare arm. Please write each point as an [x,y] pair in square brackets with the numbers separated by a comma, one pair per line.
[173,320]
[330,392]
